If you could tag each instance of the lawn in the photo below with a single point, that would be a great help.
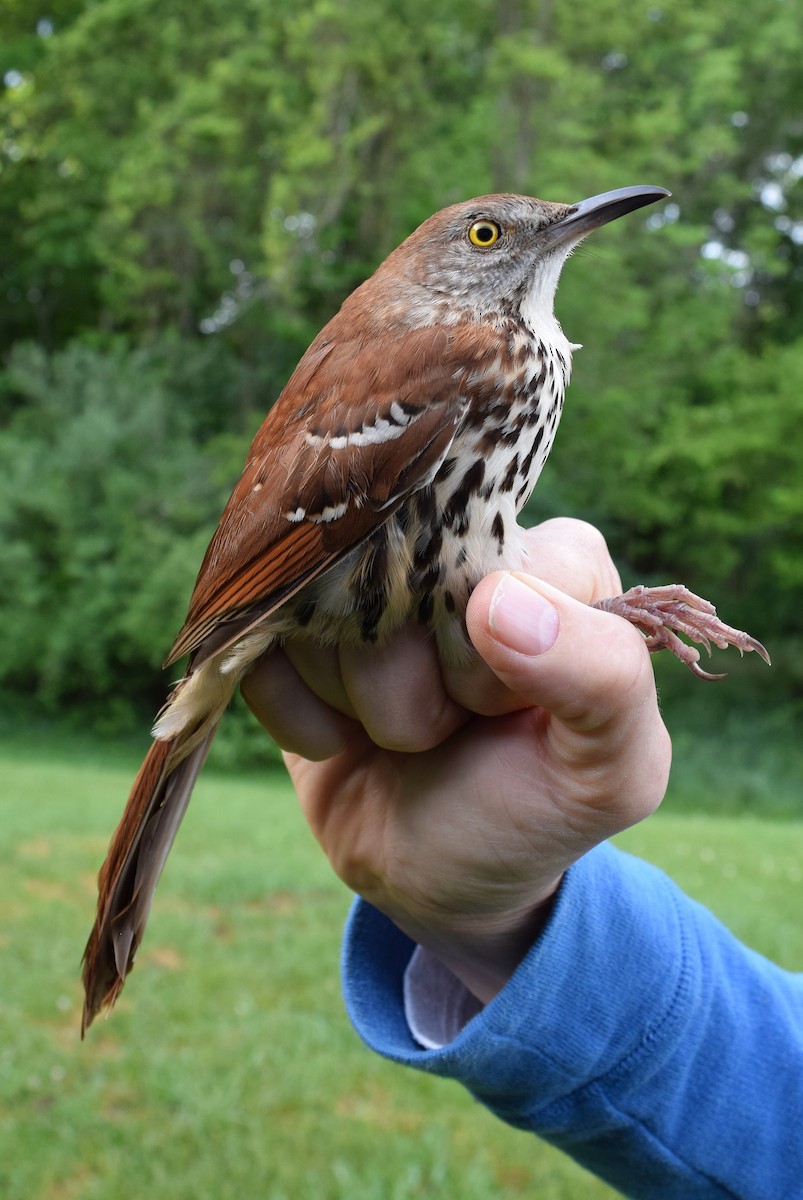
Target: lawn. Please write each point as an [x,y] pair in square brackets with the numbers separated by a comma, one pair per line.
[228,1068]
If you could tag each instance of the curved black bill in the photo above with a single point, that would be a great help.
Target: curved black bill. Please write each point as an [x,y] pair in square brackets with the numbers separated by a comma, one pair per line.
[599,210]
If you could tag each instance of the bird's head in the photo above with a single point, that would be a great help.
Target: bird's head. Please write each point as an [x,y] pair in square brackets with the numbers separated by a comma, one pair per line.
[493,250]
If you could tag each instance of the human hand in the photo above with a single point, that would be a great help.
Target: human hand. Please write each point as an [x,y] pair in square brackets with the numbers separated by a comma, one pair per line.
[454,801]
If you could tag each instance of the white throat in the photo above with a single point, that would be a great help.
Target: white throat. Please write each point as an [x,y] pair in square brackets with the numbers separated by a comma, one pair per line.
[538,307]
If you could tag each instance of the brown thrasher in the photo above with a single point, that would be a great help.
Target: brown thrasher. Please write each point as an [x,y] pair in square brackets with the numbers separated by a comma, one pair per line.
[382,486]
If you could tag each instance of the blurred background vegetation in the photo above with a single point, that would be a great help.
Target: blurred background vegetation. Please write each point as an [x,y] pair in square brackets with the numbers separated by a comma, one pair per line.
[189,189]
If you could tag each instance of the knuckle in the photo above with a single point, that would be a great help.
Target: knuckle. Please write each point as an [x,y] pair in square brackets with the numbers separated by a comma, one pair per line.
[589,537]
[591,545]
[573,555]
[412,732]
[581,534]
[626,681]
[636,803]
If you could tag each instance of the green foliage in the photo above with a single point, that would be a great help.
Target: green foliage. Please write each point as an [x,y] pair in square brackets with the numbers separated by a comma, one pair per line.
[106,504]
[208,182]
[228,1067]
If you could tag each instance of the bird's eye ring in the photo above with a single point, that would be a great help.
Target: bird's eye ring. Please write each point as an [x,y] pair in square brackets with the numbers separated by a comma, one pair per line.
[484,234]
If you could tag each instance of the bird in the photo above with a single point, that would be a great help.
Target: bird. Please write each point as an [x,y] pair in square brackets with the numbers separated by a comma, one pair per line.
[384,483]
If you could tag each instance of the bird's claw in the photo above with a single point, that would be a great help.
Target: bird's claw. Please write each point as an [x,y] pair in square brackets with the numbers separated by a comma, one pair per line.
[661,613]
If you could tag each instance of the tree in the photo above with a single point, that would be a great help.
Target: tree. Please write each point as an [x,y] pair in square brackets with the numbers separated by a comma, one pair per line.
[106,505]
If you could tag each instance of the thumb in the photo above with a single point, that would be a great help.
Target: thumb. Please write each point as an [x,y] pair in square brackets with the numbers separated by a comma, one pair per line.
[584,666]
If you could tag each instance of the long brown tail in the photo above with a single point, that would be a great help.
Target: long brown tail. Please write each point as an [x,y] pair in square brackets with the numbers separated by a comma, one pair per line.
[128,877]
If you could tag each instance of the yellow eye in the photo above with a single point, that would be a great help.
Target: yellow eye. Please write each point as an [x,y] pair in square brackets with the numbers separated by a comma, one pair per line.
[484,234]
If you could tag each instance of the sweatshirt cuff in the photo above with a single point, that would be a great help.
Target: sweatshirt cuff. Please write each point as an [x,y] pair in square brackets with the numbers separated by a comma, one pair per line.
[437,1005]
[610,974]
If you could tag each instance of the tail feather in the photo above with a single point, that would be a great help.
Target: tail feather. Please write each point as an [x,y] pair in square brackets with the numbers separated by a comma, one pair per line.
[137,854]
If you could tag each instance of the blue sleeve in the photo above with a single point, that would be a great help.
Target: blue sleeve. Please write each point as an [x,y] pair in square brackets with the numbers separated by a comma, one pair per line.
[638,1035]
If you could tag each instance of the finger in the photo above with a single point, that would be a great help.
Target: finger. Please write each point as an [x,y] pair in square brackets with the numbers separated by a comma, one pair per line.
[297,719]
[573,556]
[554,651]
[475,687]
[404,679]
[557,653]
[593,675]
[382,683]
[319,667]
[397,692]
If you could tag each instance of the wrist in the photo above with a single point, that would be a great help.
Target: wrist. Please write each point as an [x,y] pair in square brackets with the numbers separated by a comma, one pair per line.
[483,951]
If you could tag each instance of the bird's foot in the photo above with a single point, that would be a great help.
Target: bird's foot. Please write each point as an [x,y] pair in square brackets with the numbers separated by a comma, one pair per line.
[661,613]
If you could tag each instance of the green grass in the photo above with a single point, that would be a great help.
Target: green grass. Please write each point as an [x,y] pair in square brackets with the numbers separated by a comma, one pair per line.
[738,744]
[228,1068]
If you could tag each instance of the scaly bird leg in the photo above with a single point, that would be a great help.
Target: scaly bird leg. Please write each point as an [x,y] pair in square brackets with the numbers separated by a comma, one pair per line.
[661,613]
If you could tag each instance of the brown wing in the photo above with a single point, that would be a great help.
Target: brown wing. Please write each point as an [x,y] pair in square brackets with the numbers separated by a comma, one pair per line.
[354,432]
